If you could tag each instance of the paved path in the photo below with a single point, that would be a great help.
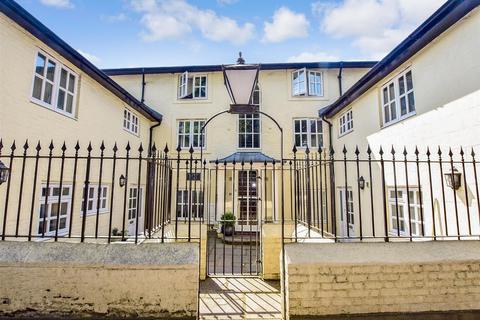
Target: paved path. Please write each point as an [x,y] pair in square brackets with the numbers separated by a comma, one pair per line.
[239,298]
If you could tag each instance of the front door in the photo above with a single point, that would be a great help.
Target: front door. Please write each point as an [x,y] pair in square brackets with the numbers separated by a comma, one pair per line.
[247,199]
[347,217]
[134,209]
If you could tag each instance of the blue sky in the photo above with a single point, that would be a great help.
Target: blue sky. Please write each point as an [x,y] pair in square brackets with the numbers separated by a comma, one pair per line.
[133,33]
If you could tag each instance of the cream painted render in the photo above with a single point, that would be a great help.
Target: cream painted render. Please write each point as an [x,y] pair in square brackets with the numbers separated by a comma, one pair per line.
[446,80]
[99,116]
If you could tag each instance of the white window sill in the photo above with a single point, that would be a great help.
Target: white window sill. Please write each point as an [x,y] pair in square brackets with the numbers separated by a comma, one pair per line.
[192,101]
[340,135]
[131,132]
[94,212]
[51,108]
[391,123]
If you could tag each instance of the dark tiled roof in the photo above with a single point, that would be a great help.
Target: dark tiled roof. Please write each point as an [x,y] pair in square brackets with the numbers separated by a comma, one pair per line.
[263,66]
[23,18]
[441,20]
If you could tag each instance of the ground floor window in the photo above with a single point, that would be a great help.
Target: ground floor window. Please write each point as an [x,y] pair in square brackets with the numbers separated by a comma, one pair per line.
[54,209]
[402,224]
[134,198]
[96,198]
[183,203]
[347,214]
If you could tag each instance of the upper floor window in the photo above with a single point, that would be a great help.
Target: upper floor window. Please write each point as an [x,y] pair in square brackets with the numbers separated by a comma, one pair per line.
[192,86]
[307,83]
[249,125]
[54,85]
[189,133]
[130,121]
[249,131]
[398,99]
[346,122]
[308,133]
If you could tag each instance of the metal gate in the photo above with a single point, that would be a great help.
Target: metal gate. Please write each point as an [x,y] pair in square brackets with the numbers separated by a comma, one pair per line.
[234,237]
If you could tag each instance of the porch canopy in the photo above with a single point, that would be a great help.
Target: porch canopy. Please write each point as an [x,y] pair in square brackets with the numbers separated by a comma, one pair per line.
[246,157]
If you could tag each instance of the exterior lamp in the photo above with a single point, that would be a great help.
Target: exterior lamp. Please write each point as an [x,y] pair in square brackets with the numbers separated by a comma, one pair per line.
[4,173]
[122,181]
[240,80]
[453,179]
[361,182]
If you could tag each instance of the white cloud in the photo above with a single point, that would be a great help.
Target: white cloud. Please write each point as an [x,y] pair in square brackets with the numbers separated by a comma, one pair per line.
[226,2]
[90,57]
[163,19]
[375,26]
[115,18]
[313,57]
[58,3]
[286,24]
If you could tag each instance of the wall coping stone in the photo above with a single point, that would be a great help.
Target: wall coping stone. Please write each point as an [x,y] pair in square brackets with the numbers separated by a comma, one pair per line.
[382,253]
[147,255]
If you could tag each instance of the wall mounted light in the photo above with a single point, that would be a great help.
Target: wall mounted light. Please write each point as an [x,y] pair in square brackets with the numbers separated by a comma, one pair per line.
[4,173]
[453,179]
[122,181]
[361,183]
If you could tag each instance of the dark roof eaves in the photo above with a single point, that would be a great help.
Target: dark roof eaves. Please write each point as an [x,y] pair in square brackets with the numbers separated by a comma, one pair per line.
[23,18]
[441,20]
[263,66]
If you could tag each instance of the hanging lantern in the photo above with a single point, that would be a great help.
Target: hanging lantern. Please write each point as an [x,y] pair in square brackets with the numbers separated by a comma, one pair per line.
[240,80]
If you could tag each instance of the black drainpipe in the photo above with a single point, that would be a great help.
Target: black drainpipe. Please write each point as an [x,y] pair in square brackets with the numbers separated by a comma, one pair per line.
[339,77]
[142,100]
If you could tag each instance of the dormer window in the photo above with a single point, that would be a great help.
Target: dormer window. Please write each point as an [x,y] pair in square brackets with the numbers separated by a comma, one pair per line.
[307,83]
[192,86]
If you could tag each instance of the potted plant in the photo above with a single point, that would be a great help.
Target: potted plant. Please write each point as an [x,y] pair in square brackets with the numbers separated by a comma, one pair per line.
[227,221]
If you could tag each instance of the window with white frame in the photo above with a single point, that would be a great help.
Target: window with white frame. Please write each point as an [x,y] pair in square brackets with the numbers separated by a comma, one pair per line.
[402,224]
[308,133]
[192,86]
[346,122]
[189,133]
[97,197]
[398,100]
[134,202]
[307,83]
[54,85]
[130,121]
[249,131]
[54,208]
[183,203]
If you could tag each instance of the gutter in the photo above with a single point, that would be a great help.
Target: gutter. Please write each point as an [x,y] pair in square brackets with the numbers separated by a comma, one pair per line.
[150,137]
[450,13]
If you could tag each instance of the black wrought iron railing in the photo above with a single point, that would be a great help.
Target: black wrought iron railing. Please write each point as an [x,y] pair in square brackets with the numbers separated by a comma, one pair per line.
[413,194]
[89,192]
[104,193]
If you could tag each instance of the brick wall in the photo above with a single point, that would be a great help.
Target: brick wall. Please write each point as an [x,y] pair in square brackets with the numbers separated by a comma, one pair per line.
[333,279]
[83,280]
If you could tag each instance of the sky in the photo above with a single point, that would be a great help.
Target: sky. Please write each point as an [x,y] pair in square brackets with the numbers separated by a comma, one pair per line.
[148,33]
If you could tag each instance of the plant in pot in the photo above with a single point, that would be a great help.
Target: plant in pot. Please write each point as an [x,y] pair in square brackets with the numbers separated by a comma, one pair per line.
[227,221]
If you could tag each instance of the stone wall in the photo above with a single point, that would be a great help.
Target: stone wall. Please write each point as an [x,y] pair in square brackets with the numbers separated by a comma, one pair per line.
[368,278]
[125,280]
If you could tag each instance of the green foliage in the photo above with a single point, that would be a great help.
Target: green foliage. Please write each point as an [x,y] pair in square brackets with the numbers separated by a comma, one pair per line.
[227,219]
